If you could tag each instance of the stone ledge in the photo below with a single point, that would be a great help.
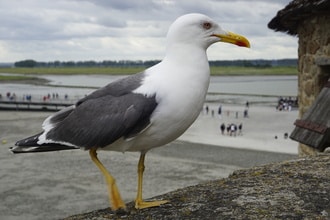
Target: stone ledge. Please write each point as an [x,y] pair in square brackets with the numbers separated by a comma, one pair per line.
[296,189]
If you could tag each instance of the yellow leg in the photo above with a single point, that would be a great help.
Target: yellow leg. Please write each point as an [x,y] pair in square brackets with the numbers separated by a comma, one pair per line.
[114,196]
[139,203]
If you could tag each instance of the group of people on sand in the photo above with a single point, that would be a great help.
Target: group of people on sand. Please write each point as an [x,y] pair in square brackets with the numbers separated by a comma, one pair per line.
[231,129]
[53,96]
[286,103]
[9,96]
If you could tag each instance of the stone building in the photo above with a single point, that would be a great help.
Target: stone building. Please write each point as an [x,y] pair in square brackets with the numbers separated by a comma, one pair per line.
[310,21]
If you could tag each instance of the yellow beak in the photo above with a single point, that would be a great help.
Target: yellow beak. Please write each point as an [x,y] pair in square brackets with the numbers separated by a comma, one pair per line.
[233,38]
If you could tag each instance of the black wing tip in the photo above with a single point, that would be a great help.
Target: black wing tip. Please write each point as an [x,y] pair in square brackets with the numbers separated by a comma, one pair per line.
[29,142]
[20,149]
[17,150]
[12,149]
[31,145]
[41,148]
[19,143]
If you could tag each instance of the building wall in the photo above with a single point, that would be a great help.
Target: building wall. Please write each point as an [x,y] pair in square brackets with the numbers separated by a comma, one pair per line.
[314,42]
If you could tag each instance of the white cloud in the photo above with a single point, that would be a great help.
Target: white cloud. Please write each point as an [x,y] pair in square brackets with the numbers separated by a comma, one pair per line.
[47,30]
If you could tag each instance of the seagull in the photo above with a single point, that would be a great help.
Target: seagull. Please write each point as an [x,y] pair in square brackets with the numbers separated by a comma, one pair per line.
[141,111]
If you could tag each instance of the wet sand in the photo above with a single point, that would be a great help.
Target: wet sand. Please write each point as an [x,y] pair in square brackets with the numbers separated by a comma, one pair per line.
[259,128]
[59,184]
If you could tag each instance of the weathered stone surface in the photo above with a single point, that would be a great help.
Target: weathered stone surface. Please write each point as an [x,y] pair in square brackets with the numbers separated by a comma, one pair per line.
[306,150]
[313,43]
[313,36]
[309,88]
[296,189]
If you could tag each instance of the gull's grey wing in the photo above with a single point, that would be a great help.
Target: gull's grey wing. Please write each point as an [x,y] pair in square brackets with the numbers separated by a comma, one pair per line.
[117,88]
[99,122]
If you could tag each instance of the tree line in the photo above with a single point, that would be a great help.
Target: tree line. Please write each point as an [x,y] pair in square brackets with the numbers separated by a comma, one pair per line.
[139,63]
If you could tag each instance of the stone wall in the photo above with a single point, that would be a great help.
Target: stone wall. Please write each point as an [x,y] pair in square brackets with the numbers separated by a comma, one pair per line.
[314,43]
[296,189]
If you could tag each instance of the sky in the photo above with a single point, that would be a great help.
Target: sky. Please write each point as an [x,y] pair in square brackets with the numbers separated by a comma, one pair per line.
[80,30]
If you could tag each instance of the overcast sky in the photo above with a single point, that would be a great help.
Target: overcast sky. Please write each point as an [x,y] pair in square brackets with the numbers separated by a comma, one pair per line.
[48,30]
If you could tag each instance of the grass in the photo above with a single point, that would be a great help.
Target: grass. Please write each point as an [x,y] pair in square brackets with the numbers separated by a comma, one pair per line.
[235,70]
[14,78]
[215,71]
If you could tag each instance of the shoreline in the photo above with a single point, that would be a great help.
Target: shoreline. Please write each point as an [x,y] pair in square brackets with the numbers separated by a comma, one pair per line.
[32,80]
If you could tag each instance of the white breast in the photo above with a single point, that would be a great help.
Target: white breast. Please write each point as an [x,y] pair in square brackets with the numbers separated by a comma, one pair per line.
[180,94]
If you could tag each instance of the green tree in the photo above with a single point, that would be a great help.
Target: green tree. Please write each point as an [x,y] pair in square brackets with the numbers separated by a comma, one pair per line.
[26,63]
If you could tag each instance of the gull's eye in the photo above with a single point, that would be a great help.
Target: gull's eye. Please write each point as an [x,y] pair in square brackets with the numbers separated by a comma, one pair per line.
[207,25]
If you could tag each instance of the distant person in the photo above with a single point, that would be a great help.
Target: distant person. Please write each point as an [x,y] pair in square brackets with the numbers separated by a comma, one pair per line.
[28,97]
[220,111]
[228,129]
[207,109]
[233,129]
[223,128]
[240,127]
[247,104]
[246,114]
[13,97]
[286,135]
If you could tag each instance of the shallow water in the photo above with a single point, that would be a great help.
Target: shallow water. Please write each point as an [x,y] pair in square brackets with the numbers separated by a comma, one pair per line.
[257,85]
[231,89]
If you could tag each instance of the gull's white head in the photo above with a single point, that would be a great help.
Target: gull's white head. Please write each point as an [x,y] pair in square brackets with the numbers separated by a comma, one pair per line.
[200,30]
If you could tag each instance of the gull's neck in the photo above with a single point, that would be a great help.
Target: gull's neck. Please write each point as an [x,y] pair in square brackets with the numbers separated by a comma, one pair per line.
[186,68]
[186,54]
